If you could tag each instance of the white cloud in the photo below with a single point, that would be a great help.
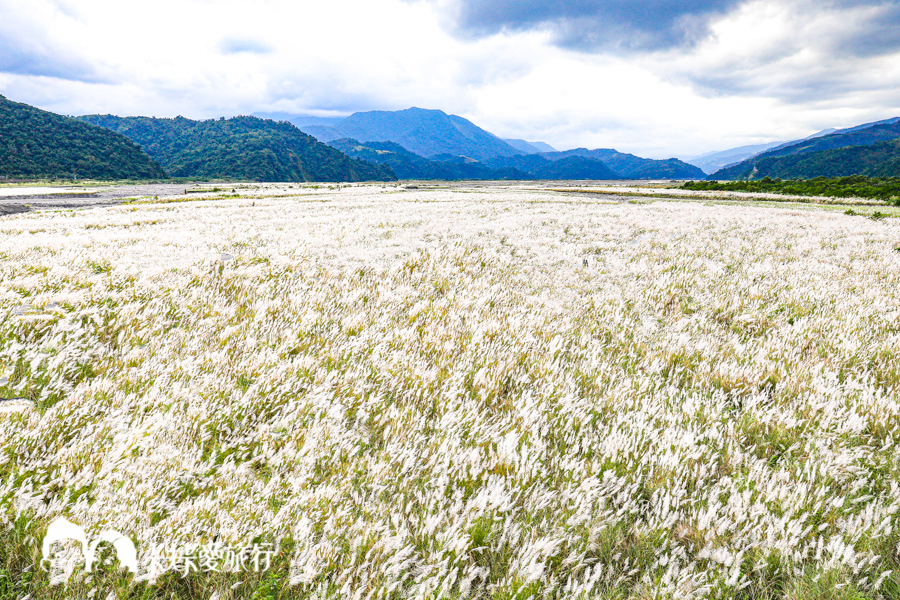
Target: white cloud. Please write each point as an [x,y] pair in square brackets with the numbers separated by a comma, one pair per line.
[771,69]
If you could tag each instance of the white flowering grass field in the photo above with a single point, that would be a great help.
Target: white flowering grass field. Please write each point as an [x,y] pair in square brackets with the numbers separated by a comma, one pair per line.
[463,393]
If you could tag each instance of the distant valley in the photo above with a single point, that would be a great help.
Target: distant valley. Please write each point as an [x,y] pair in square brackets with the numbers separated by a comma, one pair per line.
[714,161]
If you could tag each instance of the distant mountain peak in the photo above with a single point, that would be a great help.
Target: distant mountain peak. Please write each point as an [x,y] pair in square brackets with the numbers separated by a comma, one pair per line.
[424,131]
[414,109]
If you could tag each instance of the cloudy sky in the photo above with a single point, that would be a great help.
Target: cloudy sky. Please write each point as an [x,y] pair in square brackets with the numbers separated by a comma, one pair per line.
[655,77]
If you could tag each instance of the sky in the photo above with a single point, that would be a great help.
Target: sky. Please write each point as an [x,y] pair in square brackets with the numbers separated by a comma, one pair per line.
[658,78]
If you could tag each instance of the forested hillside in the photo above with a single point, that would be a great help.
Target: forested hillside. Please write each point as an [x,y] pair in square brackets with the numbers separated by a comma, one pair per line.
[36,143]
[769,163]
[245,148]
[876,160]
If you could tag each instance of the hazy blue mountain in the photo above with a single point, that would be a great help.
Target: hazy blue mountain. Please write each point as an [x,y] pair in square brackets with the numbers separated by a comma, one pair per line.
[323,133]
[629,166]
[298,120]
[240,148]
[423,132]
[408,165]
[832,130]
[862,135]
[713,161]
[530,147]
[37,143]
[543,147]
[825,132]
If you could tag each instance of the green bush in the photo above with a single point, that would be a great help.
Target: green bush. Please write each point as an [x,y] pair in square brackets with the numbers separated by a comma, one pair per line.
[855,186]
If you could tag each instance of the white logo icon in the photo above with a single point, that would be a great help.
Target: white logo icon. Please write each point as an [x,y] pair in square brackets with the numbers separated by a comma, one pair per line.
[63,529]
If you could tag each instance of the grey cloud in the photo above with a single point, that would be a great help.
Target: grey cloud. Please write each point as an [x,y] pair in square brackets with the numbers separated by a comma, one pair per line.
[840,84]
[651,25]
[875,34]
[847,37]
[28,58]
[819,85]
[592,25]
[240,46]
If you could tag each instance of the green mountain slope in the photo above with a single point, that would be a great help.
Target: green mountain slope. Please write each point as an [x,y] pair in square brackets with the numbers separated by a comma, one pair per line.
[864,135]
[408,165]
[836,141]
[875,160]
[240,148]
[629,166]
[37,143]
[424,132]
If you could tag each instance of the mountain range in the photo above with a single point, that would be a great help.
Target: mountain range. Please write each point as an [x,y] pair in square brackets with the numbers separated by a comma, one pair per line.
[881,159]
[252,148]
[617,165]
[408,165]
[455,148]
[856,150]
[629,166]
[577,164]
[307,121]
[246,148]
[411,144]
[424,132]
[711,162]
